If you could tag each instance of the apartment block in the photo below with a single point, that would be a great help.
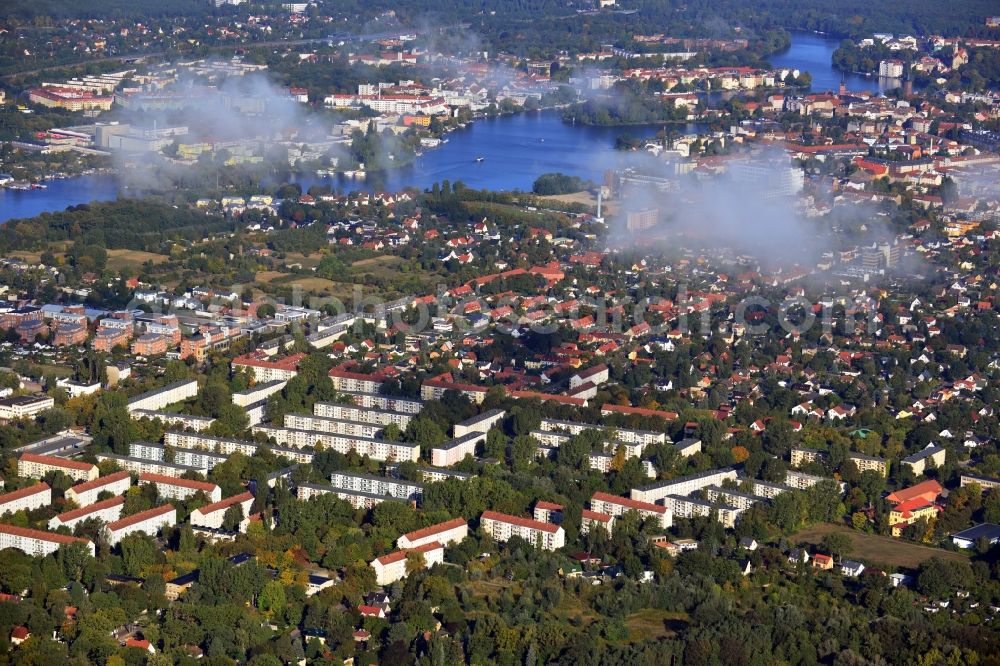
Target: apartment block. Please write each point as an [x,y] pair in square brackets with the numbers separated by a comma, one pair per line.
[106,511]
[169,487]
[162,397]
[613,505]
[26,499]
[428,475]
[800,457]
[501,527]
[33,466]
[623,435]
[392,567]
[801,481]
[376,449]
[384,402]
[269,370]
[479,424]
[869,463]
[328,424]
[24,406]
[84,494]
[144,466]
[450,531]
[361,414]
[212,515]
[357,499]
[172,420]
[354,382]
[454,451]
[733,498]
[684,485]
[220,446]
[591,519]
[691,507]
[548,512]
[258,392]
[918,461]
[36,542]
[378,485]
[146,522]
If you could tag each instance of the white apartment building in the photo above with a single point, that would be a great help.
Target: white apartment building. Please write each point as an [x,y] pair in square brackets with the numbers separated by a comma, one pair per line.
[200,458]
[548,512]
[501,527]
[614,505]
[327,424]
[765,489]
[36,542]
[220,446]
[33,466]
[591,519]
[690,507]
[623,435]
[361,414]
[450,531]
[734,498]
[211,515]
[144,466]
[392,567]
[162,397]
[429,475]
[377,485]
[198,423]
[376,449]
[800,480]
[684,485]
[385,402]
[602,463]
[357,499]
[107,511]
[147,522]
[26,499]
[267,370]
[454,451]
[479,424]
[258,392]
[168,487]
[24,406]
[84,494]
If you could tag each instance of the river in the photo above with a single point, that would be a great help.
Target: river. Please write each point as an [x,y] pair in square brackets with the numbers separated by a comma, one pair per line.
[515,149]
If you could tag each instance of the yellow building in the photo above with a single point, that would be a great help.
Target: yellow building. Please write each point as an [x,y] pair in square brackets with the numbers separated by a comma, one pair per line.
[907,513]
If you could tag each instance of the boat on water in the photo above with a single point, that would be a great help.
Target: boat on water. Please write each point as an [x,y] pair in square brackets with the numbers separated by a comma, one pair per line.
[480,159]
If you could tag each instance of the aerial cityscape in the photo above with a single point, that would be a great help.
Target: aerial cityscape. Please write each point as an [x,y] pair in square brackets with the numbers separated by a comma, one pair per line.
[593,332]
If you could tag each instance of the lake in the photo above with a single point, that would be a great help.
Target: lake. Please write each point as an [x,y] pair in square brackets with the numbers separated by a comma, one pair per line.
[515,149]
[814,53]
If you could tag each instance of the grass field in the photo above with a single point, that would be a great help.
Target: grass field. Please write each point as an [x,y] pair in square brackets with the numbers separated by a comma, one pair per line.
[877,549]
[264,277]
[119,259]
[654,623]
[587,199]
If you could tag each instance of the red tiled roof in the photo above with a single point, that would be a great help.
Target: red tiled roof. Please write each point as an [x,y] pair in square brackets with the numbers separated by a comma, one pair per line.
[930,487]
[519,520]
[398,555]
[13,495]
[39,534]
[596,515]
[84,510]
[56,462]
[548,506]
[99,481]
[141,516]
[435,529]
[174,481]
[225,503]
[629,502]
